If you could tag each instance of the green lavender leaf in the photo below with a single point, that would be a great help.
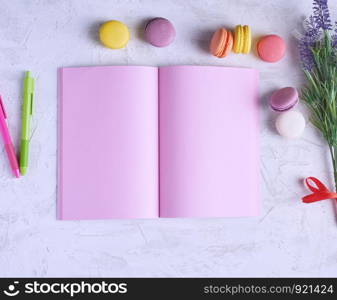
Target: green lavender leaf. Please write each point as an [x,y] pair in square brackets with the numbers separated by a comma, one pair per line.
[320,93]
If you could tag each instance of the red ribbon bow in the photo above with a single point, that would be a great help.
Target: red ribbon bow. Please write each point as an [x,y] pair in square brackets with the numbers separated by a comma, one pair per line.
[319,191]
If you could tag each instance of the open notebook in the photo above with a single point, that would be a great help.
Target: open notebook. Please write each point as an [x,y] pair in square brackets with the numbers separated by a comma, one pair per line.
[147,142]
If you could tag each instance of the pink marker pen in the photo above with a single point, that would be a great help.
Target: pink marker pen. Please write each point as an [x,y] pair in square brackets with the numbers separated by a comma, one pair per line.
[8,141]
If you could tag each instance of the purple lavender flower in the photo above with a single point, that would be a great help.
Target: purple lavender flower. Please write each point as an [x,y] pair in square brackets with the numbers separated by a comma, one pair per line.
[321,14]
[306,55]
[317,23]
[310,37]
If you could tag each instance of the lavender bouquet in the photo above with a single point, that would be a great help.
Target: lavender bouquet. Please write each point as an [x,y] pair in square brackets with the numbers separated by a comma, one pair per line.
[318,52]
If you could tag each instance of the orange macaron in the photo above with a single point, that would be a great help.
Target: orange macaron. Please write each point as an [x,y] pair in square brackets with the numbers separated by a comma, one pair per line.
[221,43]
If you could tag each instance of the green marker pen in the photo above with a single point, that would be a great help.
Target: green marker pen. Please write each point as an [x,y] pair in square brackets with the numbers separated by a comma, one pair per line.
[27,112]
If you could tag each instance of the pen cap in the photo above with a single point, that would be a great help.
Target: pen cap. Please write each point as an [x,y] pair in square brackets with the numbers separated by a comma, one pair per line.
[29,83]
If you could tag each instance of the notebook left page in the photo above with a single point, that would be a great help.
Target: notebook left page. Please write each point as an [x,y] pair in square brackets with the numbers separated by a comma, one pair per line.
[108,143]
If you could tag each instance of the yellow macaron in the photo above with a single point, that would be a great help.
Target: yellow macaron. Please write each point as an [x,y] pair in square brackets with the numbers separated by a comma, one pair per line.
[242,39]
[238,39]
[114,34]
[247,39]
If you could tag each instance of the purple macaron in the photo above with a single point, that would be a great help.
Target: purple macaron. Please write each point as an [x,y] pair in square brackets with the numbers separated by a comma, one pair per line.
[284,99]
[159,32]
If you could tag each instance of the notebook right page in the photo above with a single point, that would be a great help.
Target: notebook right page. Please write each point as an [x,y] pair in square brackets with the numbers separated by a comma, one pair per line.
[208,141]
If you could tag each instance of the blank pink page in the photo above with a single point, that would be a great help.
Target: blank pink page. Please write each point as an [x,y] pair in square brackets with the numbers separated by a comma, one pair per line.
[208,142]
[108,143]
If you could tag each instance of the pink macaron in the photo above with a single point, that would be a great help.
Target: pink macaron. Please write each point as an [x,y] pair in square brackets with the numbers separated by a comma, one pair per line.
[159,32]
[221,43]
[284,99]
[271,48]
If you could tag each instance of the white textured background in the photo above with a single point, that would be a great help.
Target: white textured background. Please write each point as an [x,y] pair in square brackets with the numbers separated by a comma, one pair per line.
[289,239]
